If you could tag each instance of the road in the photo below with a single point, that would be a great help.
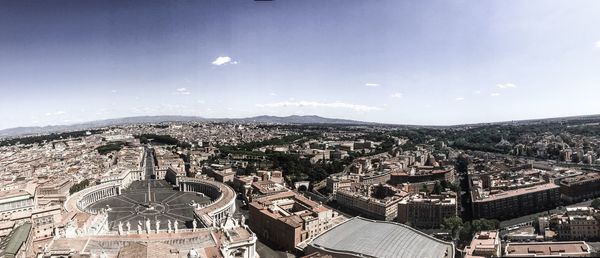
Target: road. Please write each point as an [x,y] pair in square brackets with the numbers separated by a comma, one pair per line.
[149,164]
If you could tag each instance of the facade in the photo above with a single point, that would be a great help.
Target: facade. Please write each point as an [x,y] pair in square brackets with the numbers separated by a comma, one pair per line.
[55,192]
[427,211]
[376,201]
[334,183]
[44,219]
[288,219]
[514,203]
[374,178]
[485,244]
[580,187]
[577,223]
[15,201]
[219,173]
[222,205]
[260,184]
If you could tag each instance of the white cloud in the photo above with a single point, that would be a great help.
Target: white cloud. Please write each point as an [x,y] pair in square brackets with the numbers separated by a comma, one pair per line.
[181,91]
[396,95]
[506,85]
[495,94]
[272,94]
[477,92]
[113,91]
[372,84]
[222,60]
[314,104]
[459,99]
[201,101]
[598,44]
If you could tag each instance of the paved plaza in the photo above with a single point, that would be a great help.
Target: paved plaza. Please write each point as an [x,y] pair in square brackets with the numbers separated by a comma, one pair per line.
[165,204]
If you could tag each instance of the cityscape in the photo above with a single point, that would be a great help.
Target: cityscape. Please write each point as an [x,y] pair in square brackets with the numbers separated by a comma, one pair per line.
[312,129]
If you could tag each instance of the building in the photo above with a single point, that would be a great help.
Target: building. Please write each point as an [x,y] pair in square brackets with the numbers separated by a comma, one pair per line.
[548,249]
[44,219]
[54,191]
[577,223]
[272,175]
[232,239]
[375,201]
[578,188]
[253,186]
[333,183]
[485,244]
[220,173]
[415,188]
[287,219]
[429,211]
[422,174]
[359,237]
[500,204]
[15,200]
[376,177]
[17,243]
[6,227]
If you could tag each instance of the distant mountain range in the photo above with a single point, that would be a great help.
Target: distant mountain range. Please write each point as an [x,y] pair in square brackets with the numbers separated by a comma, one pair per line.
[34,130]
[295,119]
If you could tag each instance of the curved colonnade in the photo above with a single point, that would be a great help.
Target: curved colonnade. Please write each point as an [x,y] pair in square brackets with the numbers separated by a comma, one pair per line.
[222,196]
[211,214]
[80,201]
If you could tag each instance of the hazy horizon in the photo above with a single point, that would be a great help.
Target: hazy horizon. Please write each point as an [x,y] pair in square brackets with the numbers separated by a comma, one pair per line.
[396,62]
[233,118]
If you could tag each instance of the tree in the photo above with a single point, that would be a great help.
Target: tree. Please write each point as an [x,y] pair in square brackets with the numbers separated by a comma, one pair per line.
[437,188]
[453,224]
[484,224]
[250,168]
[466,233]
[462,163]
[424,188]
[79,186]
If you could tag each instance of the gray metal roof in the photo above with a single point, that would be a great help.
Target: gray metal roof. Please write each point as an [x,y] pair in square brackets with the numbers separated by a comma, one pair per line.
[11,244]
[381,239]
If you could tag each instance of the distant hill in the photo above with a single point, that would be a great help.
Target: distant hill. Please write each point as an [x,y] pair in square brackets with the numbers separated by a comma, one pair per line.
[295,120]
[34,130]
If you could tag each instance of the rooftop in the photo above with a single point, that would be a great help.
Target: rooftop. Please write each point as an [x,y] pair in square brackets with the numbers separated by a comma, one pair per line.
[11,244]
[484,244]
[580,178]
[381,239]
[515,192]
[546,249]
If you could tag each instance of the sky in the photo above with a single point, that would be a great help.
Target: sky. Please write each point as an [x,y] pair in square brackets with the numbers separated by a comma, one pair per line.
[407,62]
